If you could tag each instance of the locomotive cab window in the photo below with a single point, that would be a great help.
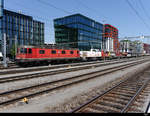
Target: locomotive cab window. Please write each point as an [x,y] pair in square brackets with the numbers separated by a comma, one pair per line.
[42,51]
[53,52]
[23,50]
[71,52]
[30,51]
[63,52]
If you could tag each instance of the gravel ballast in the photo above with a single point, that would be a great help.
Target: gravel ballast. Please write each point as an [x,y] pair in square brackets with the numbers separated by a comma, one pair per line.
[29,82]
[66,99]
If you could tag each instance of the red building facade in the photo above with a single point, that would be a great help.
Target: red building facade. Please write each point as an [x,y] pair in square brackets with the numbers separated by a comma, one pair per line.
[147,48]
[111,32]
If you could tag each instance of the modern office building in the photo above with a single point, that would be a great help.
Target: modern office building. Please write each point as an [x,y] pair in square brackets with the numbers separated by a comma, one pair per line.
[110,39]
[126,46]
[78,31]
[26,30]
[132,47]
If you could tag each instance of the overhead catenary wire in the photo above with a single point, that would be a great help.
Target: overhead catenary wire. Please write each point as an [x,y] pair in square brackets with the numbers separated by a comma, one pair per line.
[138,15]
[91,9]
[53,6]
[60,9]
[45,20]
[27,13]
[142,6]
[49,5]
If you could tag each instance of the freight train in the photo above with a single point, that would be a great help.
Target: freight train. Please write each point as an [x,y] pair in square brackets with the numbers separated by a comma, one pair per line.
[49,54]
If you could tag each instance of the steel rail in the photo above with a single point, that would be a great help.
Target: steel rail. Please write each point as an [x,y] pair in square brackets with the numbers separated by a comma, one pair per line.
[148,107]
[10,66]
[48,73]
[64,85]
[134,97]
[78,109]
[92,101]
[13,65]
[54,67]
[31,69]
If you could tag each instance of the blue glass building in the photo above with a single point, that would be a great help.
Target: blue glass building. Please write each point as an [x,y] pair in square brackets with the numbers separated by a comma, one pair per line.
[78,31]
[27,30]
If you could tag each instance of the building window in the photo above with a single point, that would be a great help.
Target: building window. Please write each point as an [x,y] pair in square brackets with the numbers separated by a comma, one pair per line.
[42,51]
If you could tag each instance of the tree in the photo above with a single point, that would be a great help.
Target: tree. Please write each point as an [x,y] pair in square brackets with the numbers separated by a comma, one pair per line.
[13,51]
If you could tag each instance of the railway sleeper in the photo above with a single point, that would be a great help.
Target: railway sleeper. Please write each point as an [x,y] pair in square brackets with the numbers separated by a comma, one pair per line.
[91,110]
[134,110]
[100,108]
[140,100]
[119,96]
[122,94]
[105,108]
[113,104]
[144,94]
[136,104]
[125,91]
[124,102]
[131,87]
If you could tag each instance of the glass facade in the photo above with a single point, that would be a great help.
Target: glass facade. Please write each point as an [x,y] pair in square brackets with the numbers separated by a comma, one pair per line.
[78,31]
[66,34]
[38,33]
[27,30]
[1,15]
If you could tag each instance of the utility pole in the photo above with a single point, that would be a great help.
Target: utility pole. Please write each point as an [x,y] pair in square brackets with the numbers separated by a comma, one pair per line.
[16,45]
[103,39]
[4,51]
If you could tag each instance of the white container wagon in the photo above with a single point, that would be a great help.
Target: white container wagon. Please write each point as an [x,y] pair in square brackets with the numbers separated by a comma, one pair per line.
[93,54]
[1,56]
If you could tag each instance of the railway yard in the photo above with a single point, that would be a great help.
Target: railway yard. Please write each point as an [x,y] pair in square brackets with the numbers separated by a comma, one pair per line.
[112,86]
[77,61]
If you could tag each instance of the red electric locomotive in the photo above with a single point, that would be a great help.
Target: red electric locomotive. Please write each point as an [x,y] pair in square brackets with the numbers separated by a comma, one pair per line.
[45,54]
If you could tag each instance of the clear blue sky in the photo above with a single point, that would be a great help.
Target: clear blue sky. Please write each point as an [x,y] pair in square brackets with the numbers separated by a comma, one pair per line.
[115,12]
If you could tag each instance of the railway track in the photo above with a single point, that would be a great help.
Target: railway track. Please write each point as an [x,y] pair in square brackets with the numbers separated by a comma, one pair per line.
[57,71]
[121,98]
[14,96]
[140,104]
[148,108]
[10,66]
[31,69]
